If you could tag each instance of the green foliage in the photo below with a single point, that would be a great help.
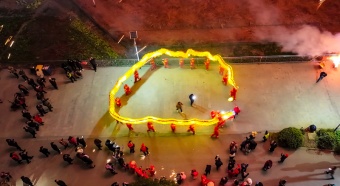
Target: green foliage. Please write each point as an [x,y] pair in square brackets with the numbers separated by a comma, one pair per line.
[290,138]
[153,182]
[328,139]
[87,42]
[337,149]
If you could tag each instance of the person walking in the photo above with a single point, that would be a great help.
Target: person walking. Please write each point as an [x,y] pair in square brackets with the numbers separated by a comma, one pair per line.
[131,147]
[55,148]
[40,96]
[60,182]
[273,145]
[282,182]
[24,156]
[15,157]
[78,64]
[31,82]
[93,64]
[46,103]
[322,75]
[71,77]
[63,143]
[150,127]
[192,99]
[30,130]
[26,180]
[267,165]
[283,157]
[129,125]
[179,106]
[81,141]
[218,162]
[191,129]
[67,158]
[53,82]
[44,151]
[331,171]
[98,143]
[40,109]
[13,143]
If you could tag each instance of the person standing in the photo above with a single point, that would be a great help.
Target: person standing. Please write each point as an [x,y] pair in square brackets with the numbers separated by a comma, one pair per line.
[67,158]
[131,147]
[273,145]
[13,143]
[30,130]
[53,82]
[33,124]
[24,156]
[98,143]
[72,140]
[93,64]
[26,180]
[144,149]
[283,157]
[60,182]
[233,92]
[78,64]
[218,162]
[265,136]
[207,170]
[63,143]
[15,157]
[179,106]
[55,148]
[267,165]
[23,89]
[44,151]
[46,103]
[282,182]
[41,82]
[13,71]
[23,74]
[40,109]
[26,114]
[322,75]
[38,119]
[207,63]
[81,141]
[192,99]
[216,132]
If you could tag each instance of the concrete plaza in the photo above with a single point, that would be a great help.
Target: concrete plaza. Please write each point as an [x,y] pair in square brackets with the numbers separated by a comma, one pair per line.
[271,97]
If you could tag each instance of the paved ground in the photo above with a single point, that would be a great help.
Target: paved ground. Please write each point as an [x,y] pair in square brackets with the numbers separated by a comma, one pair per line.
[271,97]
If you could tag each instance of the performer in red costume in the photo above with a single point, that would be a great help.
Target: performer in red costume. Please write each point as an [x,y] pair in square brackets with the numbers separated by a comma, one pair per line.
[173,127]
[152,170]
[137,78]
[181,63]
[129,125]
[225,79]
[221,70]
[207,63]
[233,93]
[118,102]
[191,129]
[127,89]
[166,63]
[216,132]
[192,63]
[150,127]
[153,64]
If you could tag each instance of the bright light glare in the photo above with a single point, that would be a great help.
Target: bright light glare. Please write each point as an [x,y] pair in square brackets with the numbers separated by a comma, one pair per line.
[231,99]
[335,60]
[194,97]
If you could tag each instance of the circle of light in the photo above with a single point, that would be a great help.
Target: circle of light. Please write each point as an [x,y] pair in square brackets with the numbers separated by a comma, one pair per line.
[180,54]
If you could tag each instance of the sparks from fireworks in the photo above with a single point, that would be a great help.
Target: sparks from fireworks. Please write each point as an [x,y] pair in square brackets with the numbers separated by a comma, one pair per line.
[335,60]
[320,3]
